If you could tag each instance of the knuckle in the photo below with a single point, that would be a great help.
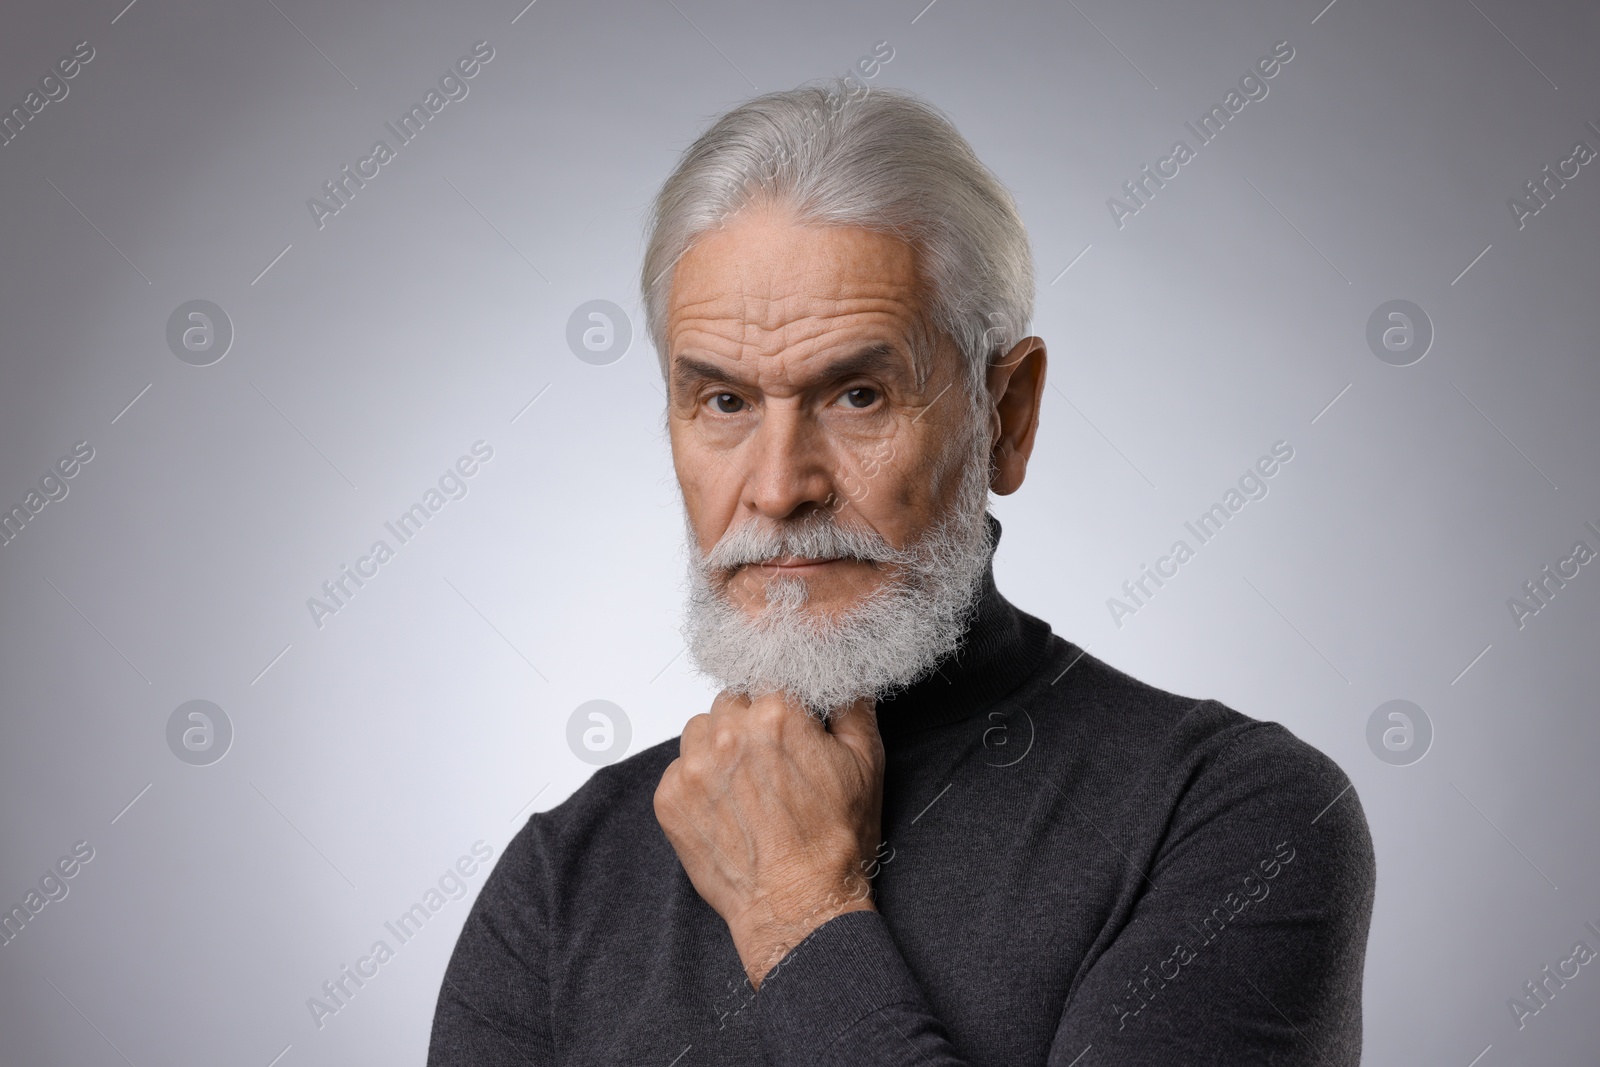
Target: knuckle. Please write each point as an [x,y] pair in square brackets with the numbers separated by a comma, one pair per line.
[693,732]
[663,801]
[691,771]
[770,713]
[724,741]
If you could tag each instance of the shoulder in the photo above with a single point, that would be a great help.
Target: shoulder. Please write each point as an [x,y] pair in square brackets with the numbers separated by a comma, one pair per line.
[613,795]
[1126,727]
[609,819]
[1166,732]
[1211,768]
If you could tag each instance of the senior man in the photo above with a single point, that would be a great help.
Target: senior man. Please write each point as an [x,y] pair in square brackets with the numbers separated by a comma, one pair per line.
[915,827]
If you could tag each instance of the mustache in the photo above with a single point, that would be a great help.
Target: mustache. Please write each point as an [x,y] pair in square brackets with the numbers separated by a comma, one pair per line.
[756,541]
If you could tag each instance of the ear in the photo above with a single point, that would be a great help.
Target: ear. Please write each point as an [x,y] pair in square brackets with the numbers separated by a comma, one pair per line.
[1016,389]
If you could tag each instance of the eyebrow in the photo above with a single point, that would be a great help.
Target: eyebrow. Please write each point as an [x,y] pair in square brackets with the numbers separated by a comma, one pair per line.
[881,359]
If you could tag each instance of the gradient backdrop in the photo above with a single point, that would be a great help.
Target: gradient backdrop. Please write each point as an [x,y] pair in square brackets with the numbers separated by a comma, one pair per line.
[346,363]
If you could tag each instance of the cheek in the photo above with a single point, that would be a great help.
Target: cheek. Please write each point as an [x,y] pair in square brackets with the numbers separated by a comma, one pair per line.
[915,481]
[702,519]
[691,461]
[945,475]
[914,494]
[709,496]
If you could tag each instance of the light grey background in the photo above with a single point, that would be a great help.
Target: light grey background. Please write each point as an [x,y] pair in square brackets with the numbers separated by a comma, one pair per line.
[433,710]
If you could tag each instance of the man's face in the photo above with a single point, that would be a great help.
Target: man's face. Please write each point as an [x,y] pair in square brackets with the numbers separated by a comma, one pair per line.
[793,392]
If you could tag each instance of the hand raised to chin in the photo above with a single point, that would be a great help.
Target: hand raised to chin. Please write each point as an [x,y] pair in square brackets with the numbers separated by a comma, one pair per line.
[772,814]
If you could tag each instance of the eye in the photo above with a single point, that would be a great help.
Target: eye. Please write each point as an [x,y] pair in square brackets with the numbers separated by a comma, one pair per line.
[862,396]
[727,403]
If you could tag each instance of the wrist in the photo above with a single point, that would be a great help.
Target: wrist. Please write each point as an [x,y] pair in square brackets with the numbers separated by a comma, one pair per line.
[764,940]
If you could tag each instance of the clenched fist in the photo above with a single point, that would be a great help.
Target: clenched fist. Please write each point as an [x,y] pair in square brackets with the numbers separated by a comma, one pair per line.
[772,814]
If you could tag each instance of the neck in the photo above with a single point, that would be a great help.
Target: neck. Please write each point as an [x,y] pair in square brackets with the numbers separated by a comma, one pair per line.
[1001,647]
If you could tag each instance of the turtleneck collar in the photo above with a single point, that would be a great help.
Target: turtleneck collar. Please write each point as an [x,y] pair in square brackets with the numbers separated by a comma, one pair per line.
[1002,647]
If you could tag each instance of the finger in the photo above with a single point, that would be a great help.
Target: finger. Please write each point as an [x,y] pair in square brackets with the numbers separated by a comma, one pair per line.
[729,698]
[695,737]
[780,708]
[727,703]
[662,801]
[858,720]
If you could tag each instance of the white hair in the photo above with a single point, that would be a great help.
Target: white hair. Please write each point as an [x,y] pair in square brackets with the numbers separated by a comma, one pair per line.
[884,160]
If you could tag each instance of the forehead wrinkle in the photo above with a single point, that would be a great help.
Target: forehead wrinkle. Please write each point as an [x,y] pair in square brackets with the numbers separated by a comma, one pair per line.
[835,358]
[781,301]
[756,318]
[773,333]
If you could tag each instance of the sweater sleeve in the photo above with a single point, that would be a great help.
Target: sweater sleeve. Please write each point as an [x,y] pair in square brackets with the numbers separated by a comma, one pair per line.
[1246,945]
[845,996]
[494,1003]
[1248,942]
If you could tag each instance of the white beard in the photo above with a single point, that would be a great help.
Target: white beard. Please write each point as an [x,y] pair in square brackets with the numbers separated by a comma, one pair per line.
[895,635]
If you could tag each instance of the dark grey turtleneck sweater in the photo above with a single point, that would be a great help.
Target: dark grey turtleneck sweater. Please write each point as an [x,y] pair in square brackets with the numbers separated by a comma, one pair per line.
[1078,869]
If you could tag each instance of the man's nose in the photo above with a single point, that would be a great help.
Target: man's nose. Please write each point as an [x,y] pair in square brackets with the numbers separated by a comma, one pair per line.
[788,472]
